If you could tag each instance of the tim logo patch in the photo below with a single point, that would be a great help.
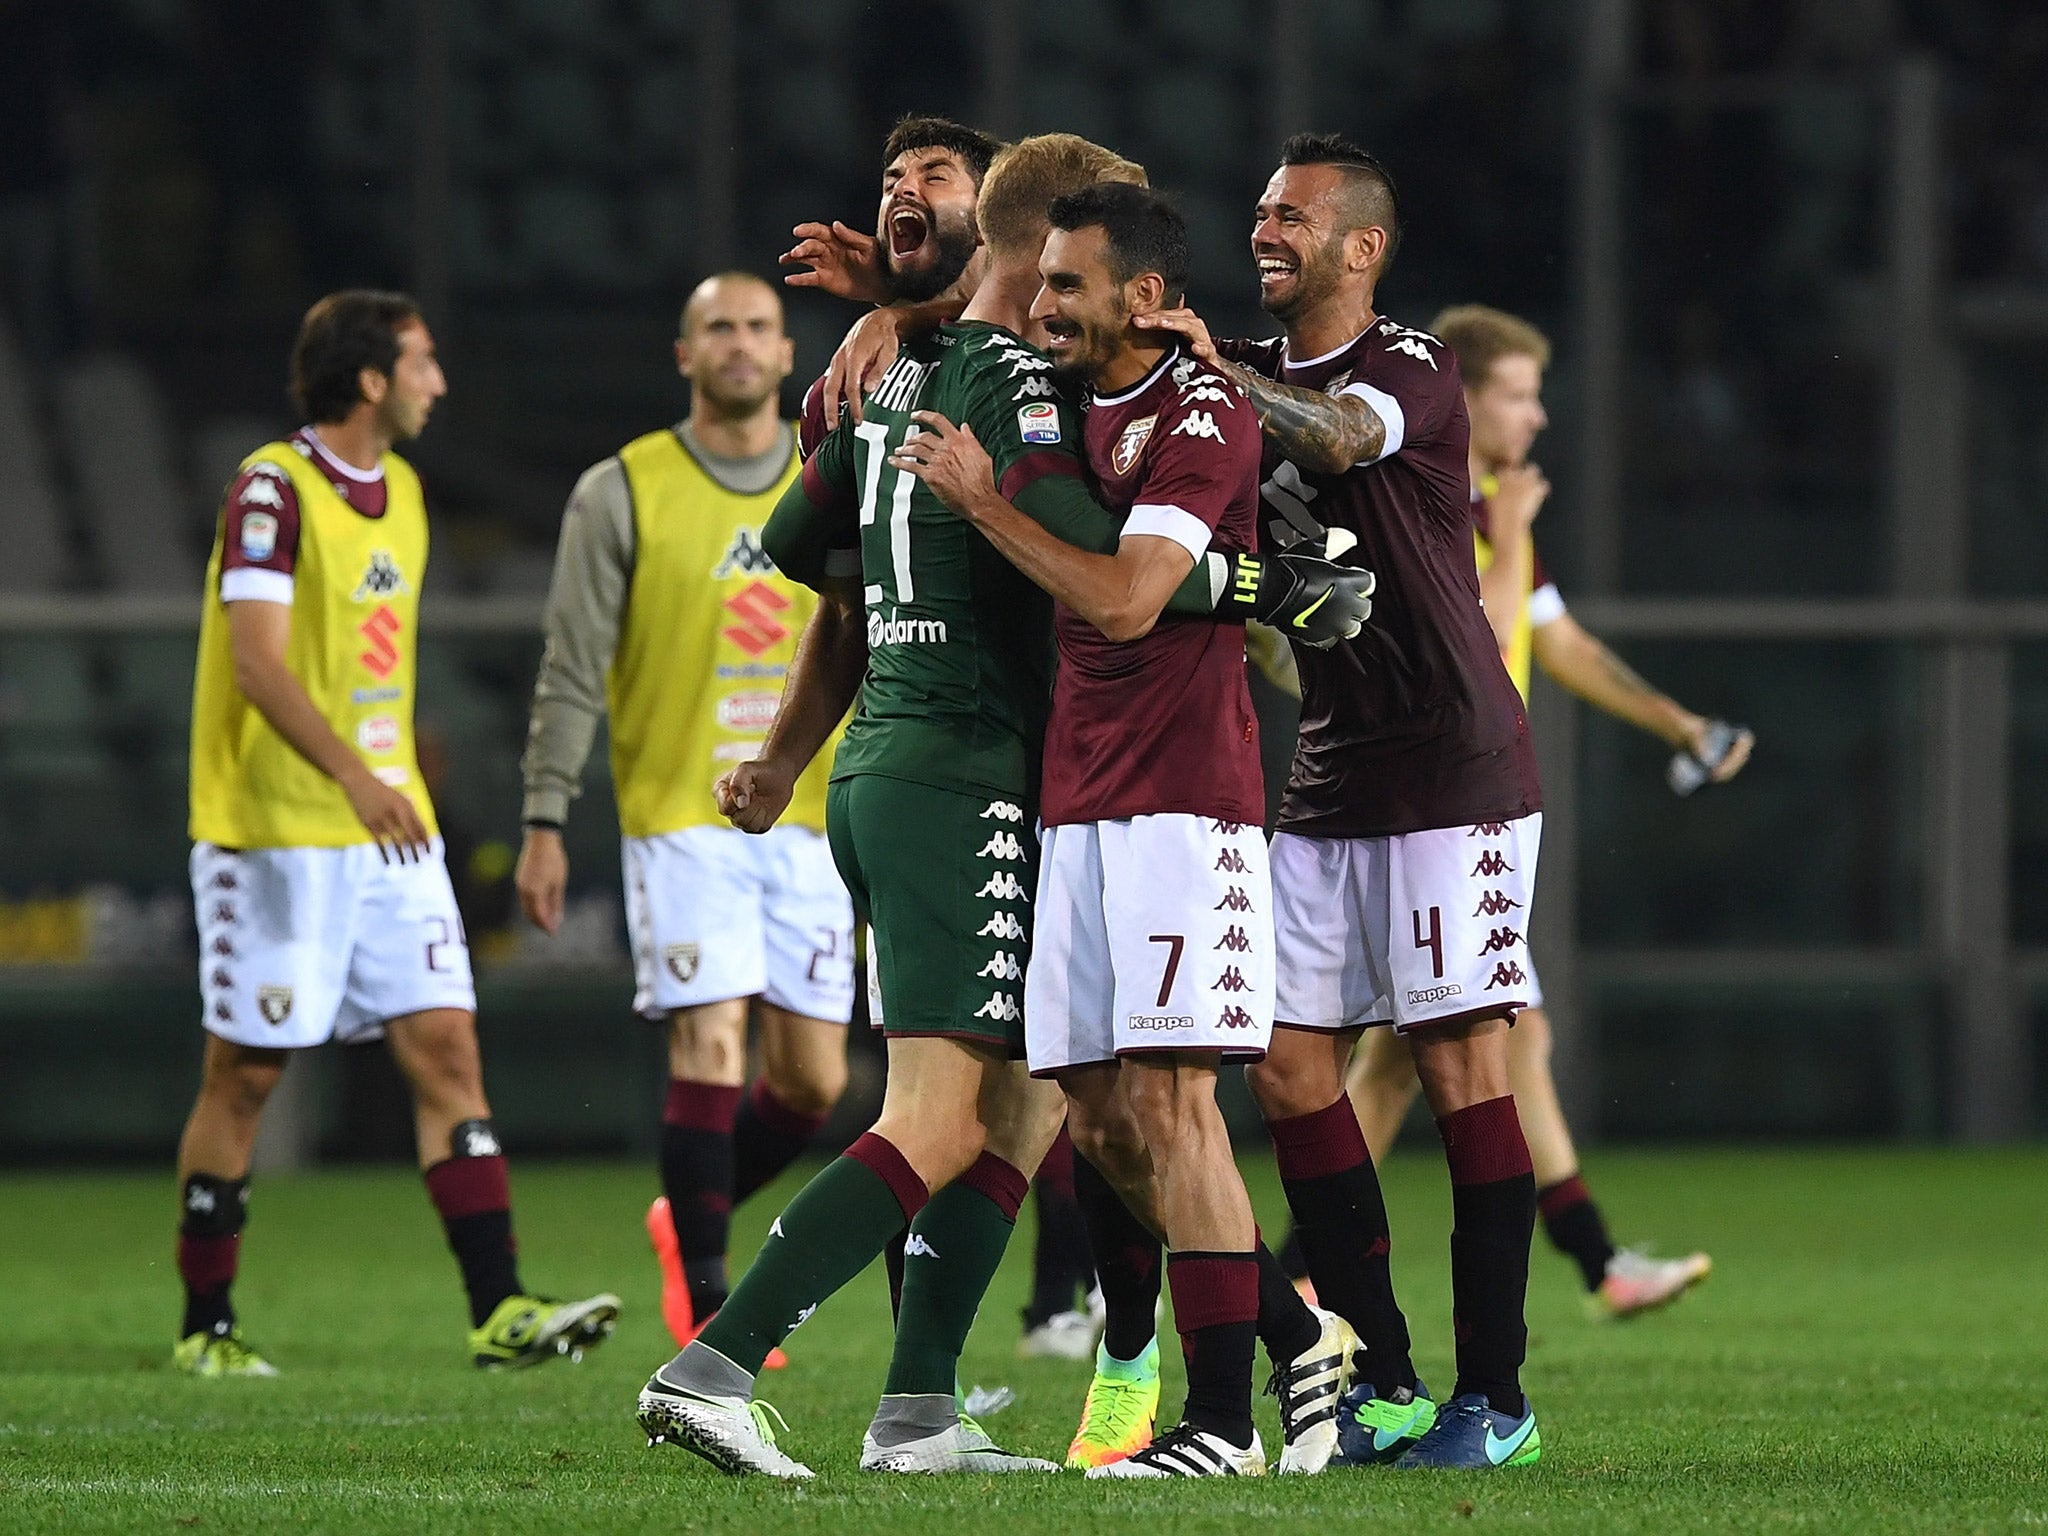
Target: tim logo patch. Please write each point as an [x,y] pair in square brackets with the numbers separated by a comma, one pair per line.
[682,961]
[1131,444]
[275,1004]
[1039,422]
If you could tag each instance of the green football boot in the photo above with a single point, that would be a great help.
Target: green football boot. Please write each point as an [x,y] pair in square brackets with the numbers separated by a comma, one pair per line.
[526,1330]
[219,1354]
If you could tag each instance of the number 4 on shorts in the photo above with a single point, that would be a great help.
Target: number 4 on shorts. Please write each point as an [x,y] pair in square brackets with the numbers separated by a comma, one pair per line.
[1433,941]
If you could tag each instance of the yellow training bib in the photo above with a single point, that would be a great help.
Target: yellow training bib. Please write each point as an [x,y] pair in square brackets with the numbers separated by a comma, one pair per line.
[1520,653]
[710,630]
[354,633]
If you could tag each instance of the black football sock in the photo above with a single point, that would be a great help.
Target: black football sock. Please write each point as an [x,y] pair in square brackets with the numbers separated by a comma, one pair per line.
[1292,1259]
[209,1249]
[473,1194]
[1286,1325]
[1061,1262]
[1215,1307]
[697,1177]
[1340,1217]
[1493,1208]
[767,1136]
[1128,1264]
[1575,1227]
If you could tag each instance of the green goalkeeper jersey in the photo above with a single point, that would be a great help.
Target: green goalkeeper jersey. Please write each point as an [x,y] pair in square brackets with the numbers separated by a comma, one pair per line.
[960,651]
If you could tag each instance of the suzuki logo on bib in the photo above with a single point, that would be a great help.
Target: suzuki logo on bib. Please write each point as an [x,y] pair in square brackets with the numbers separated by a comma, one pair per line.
[754,607]
[381,629]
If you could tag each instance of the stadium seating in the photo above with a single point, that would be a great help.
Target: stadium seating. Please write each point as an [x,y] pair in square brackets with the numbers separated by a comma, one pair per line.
[115,433]
[36,559]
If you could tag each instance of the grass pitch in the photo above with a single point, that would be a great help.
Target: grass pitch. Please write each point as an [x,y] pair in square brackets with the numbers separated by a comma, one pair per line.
[1871,1355]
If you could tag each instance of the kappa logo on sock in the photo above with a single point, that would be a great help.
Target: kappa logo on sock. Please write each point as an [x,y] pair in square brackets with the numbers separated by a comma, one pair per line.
[802,1317]
[477,1141]
[199,1200]
[775,1227]
[918,1248]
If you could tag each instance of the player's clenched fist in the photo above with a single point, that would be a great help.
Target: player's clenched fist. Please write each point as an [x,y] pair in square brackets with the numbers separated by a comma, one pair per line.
[754,795]
[542,877]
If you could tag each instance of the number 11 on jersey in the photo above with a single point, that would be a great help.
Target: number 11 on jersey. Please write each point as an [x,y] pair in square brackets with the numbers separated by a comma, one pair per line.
[876,435]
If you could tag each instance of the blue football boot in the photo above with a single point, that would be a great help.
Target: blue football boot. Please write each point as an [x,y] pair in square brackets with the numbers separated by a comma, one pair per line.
[1472,1434]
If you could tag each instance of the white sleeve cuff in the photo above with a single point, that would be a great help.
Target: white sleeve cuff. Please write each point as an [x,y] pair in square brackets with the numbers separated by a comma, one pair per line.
[1169,522]
[1546,605]
[1388,409]
[253,584]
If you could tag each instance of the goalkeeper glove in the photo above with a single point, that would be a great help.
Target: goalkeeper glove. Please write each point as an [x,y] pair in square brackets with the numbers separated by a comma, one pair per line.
[1304,596]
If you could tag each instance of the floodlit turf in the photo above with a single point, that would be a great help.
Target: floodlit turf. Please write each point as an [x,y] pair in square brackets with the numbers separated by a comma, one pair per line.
[1871,1355]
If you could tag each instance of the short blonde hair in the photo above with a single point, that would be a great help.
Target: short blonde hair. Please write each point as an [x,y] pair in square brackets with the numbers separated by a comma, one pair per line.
[1480,337]
[1024,179]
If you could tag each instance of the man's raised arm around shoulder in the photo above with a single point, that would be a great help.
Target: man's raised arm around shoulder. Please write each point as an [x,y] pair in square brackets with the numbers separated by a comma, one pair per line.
[1320,432]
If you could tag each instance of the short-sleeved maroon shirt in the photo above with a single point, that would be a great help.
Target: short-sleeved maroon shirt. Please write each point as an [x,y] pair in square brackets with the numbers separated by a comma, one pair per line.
[1415,724]
[1163,724]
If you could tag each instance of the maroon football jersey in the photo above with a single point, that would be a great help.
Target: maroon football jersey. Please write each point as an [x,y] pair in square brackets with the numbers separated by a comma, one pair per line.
[1414,724]
[1165,723]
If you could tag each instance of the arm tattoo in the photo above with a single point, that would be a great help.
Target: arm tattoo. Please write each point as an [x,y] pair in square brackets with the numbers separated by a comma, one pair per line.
[1329,433]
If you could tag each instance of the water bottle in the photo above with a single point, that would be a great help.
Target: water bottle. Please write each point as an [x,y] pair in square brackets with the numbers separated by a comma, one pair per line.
[1689,770]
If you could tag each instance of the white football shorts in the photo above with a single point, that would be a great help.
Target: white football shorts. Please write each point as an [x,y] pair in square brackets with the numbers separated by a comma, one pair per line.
[717,913]
[1154,934]
[1419,928]
[299,946]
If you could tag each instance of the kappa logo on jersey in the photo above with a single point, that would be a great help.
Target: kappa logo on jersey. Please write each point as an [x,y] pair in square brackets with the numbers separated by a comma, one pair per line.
[1197,424]
[682,961]
[1003,810]
[1491,863]
[1410,341]
[1039,422]
[259,530]
[1234,939]
[381,578]
[265,487]
[1001,1007]
[1004,886]
[1235,1017]
[1231,862]
[744,553]
[1003,845]
[275,1004]
[1132,443]
[1498,940]
[380,629]
[1232,980]
[756,629]
[1036,387]
[1493,903]
[1003,925]
[1506,974]
[1234,900]
[1208,390]
[1003,967]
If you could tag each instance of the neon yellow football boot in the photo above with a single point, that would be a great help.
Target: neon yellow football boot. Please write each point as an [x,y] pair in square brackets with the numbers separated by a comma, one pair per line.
[1122,1407]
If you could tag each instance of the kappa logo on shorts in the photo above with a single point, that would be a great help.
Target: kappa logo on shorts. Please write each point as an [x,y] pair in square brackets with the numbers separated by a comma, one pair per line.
[1161,1021]
[1001,1007]
[1493,903]
[1506,974]
[1231,862]
[1235,1017]
[1003,925]
[1002,810]
[1423,996]
[275,1004]
[1232,980]
[1488,829]
[1498,940]
[1235,939]
[1003,845]
[1226,828]
[682,961]
[1491,864]
[1004,886]
[1004,967]
[1234,900]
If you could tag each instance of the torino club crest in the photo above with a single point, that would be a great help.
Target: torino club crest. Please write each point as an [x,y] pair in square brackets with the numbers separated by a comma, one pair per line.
[1128,447]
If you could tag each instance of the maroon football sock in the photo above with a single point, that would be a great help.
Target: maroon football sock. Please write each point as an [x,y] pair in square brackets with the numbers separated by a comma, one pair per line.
[697,1177]
[1493,1205]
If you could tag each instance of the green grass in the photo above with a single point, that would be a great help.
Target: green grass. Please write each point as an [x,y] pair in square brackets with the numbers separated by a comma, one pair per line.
[1871,1355]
